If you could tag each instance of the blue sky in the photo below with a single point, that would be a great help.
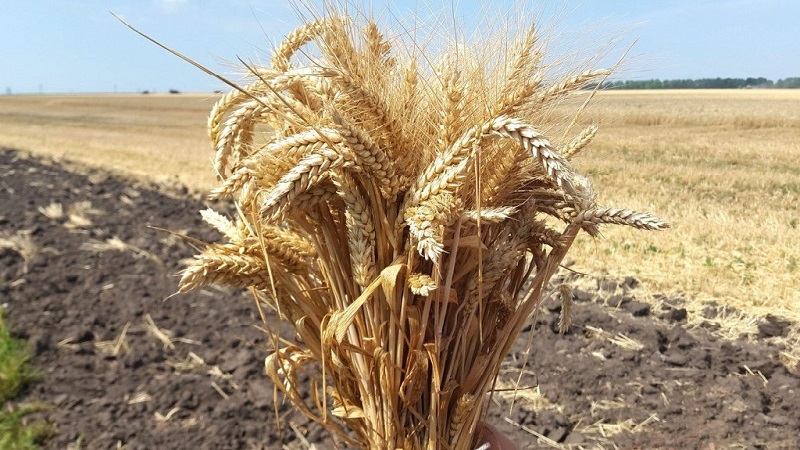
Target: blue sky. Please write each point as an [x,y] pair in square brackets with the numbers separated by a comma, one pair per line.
[77,46]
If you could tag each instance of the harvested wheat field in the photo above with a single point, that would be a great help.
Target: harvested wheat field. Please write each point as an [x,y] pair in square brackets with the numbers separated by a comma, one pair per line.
[687,343]
[724,167]
[721,165]
[86,284]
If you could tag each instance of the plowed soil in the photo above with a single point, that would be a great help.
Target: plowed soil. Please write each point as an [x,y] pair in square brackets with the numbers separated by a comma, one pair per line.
[120,364]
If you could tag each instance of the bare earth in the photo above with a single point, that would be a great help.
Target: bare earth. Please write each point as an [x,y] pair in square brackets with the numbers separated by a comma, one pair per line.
[120,365]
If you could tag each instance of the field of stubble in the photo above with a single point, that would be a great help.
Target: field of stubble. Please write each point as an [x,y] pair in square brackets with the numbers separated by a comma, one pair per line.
[722,166]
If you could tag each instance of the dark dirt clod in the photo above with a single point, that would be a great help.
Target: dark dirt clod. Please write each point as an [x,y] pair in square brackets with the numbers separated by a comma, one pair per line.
[637,308]
[685,388]
[773,326]
[677,315]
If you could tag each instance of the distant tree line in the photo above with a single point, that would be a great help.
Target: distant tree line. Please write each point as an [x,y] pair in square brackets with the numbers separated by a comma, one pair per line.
[706,83]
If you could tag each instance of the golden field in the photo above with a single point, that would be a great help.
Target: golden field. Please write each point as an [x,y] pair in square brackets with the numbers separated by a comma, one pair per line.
[722,166]
[157,136]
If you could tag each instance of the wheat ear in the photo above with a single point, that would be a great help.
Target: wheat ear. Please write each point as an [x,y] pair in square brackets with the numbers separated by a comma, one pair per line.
[309,172]
[360,229]
[293,42]
[222,224]
[219,110]
[565,294]
[371,157]
[377,46]
[219,265]
[259,165]
[642,221]
[444,172]
[520,86]
[573,84]
[579,142]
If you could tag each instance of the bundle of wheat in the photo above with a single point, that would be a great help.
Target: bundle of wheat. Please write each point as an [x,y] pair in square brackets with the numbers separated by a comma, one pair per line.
[402,216]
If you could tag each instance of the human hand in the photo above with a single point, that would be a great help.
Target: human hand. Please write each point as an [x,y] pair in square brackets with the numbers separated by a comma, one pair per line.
[490,438]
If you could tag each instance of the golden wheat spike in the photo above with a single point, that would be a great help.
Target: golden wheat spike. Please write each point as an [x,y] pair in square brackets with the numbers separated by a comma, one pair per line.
[360,229]
[293,42]
[579,142]
[309,172]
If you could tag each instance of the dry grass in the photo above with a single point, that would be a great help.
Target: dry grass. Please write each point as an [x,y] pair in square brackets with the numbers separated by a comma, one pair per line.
[116,244]
[114,347]
[162,335]
[619,339]
[53,211]
[20,243]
